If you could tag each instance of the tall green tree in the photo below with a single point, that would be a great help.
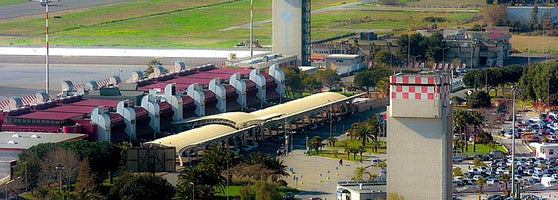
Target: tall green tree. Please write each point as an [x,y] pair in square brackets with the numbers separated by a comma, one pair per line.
[140,187]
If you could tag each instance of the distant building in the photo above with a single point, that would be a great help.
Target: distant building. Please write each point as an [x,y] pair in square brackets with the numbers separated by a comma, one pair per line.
[361,190]
[475,48]
[344,64]
[545,150]
[419,136]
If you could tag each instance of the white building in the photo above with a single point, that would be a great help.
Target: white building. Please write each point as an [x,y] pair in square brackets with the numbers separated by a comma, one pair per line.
[344,64]
[361,190]
[545,150]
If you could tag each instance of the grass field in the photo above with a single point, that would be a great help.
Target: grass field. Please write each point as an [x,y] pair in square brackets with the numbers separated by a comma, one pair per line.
[163,23]
[10,2]
[535,44]
[482,149]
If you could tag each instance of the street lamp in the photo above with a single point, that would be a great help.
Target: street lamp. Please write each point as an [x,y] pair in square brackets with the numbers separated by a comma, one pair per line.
[59,168]
[47,52]
[513,140]
[193,189]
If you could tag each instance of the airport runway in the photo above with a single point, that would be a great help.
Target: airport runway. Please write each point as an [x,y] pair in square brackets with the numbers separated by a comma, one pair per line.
[34,7]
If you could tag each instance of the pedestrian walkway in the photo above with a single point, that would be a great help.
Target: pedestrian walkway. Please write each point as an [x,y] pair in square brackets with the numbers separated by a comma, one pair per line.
[317,176]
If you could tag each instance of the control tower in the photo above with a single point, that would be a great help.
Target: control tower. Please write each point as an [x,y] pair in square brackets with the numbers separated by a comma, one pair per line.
[419,137]
[291,29]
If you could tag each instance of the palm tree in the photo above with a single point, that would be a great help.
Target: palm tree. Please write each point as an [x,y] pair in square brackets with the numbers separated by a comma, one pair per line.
[461,118]
[373,127]
[481,182]
[266,165]
[316,142]
[505,178]
[383,86]
[364,132]
[331,141]
[359,174]
[476,121]
[200,179]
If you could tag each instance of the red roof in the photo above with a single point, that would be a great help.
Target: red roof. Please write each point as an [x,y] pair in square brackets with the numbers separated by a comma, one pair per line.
[71,109]
[229,71]
[49,115]
[97,102]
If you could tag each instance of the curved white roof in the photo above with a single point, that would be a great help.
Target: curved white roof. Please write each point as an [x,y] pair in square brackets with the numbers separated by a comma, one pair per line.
[194,136]
[213,131]
[300,105]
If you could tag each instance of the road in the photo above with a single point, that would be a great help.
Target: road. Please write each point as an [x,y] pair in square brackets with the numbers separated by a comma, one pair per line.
[34,7]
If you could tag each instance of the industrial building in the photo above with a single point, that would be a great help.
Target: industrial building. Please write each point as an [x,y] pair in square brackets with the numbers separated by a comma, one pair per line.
[420,142]
[143,108]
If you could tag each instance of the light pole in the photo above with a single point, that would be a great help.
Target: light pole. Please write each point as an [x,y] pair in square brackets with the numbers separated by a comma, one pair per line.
[330,118]
[47,51]
[59,168]
[513,140]
[251,29]
[193,189]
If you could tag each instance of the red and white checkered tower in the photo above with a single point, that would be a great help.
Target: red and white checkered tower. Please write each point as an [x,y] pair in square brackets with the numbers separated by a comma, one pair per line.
[419,138]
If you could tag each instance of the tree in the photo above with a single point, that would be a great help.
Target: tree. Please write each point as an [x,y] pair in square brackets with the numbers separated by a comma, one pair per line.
[60,165]
[481,182]
[384,56]
[199,179]
[315,143]
[476,120]
[495,15]
[457,171]
[141,186]
[293,80]
[534,22]
[478,99]
[506,179]
[360,172]
[478,162]
[85,181]
[261,166]
[150,65]
[461,119]
[260,190]
[327,77]
[484,138]
[311,83]
[331,141]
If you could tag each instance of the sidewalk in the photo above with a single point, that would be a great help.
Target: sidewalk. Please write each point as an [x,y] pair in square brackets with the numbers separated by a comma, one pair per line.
[318,176]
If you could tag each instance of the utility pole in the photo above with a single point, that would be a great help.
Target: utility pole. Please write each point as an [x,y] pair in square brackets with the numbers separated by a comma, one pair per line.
[251,29]
[47,51]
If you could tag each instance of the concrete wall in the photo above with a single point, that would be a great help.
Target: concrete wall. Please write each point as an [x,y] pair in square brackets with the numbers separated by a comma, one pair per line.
[287,24]
[523,14]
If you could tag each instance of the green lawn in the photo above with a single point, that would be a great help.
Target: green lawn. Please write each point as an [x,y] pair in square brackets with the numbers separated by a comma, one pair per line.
[482,149]
[185,24]
[10,2]
[234,191]
[328,151]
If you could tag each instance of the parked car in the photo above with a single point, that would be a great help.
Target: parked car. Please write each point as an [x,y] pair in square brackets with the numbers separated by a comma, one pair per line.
[457,159]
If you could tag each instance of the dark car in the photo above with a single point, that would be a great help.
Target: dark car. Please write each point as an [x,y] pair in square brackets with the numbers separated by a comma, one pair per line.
[288,196]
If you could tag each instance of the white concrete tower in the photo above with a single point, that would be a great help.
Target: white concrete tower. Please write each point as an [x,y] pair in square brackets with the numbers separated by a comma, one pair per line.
[419,137]
[291,29]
